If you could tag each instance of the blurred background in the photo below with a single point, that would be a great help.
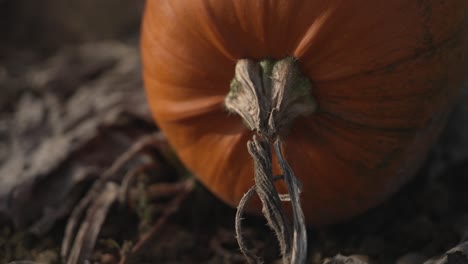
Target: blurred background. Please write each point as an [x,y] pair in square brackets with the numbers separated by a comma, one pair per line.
[50,24]
[35,30]
[71,101]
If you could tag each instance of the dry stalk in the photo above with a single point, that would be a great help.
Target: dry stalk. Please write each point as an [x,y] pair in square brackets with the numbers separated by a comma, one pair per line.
[269,96]
[181,194]
[74,248]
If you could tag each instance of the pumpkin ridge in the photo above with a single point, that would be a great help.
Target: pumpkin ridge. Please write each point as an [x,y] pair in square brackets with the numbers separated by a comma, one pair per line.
[214,34]
[452,39]
[394,130]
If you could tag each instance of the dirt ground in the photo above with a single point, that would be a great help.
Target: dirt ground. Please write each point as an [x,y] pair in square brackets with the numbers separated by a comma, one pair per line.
[72,102]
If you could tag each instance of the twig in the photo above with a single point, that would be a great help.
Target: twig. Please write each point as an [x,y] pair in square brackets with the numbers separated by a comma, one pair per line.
[171,208]
[110,174]
[89,230]
[130,177]
[161,190]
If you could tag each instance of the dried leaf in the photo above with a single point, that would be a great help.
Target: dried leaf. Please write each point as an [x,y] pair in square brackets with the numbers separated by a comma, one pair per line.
[89,229]
[456,255]
[354,259]
[78,115]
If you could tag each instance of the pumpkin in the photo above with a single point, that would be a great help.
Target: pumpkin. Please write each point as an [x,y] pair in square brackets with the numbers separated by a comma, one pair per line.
[384,76]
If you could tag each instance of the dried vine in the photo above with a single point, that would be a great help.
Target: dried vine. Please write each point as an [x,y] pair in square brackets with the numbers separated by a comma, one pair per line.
[269,96]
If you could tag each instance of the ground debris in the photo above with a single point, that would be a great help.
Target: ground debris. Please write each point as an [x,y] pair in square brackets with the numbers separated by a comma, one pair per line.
[88,233]
[76,113]
[456,255]
[353,259]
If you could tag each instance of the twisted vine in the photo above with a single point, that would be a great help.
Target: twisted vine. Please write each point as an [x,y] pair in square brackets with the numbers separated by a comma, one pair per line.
[269,95]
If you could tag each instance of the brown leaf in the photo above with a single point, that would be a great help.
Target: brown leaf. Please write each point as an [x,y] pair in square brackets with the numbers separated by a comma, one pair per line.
[89,229]
[82,108]
[456,255]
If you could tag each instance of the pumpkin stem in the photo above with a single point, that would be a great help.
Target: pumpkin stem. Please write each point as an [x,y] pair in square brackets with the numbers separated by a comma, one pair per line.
[269,96]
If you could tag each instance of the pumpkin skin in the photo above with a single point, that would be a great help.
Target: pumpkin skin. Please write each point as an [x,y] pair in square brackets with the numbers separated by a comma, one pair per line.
[384,74]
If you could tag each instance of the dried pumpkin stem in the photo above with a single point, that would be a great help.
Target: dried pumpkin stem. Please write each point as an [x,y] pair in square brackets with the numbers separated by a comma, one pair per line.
[259,149]
[269,96]
[249,255]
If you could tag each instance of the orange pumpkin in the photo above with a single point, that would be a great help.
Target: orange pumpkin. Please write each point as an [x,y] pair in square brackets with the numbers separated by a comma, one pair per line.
[384,76]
